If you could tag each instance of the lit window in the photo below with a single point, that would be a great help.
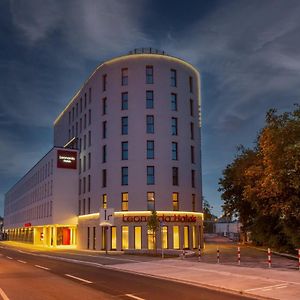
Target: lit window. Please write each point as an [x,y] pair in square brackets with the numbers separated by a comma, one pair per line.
[124,150]
[124,80]
[104,201]
[124,175]
[173,78]
[174,151]
[175,175]
[138,237]
[125,237]
[124,128]
[113,237]
[124,99]
[124,204]
[149,99]
[150,175]
[150,123]
[151,239]
[174,102]
[104,178]
[186,237]
[175,200]
[150,201]
[150,149]
[194,236]
[149,74]
[176,243]
[164,233]
[174,126]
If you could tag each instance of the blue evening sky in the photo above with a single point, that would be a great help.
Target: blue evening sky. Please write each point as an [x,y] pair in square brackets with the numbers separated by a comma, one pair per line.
[246,50]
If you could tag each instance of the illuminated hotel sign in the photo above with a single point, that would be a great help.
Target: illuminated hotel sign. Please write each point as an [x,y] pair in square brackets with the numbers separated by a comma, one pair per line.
[66,159]
[163,218]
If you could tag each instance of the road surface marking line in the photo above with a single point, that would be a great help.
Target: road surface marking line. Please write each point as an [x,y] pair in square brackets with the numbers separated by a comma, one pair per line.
[281,287]
[9,257]
[134,297]
[83,280]
[41,267]
[22,261]
[3,295]
[266,287]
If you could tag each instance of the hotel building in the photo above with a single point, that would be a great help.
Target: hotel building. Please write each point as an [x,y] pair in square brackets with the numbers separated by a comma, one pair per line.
[128,143]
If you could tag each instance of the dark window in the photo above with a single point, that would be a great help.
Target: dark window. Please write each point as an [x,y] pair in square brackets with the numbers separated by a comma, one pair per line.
[89,183]
[83,206]
[73,114]
[84,185]
[150,175]
[124,204]
[150,201]
[90,138]
[192,131]
[193,178]
[191,84]
[174,126]
[149,74]
[89,160]
[174,151]
[80,125]
[104,153]
[124,101]
[81,105]
[124,129]
[90,117]
[150,123]
[175,200]
[150,149]
[193,202]
[84,142]
[85,100]
[173,78]
[79,165]
[84,123]
[88,236]
[69,117]
[77,109]
[104,178]
[90,95]
[76,129]
[124,180]
[175,175]
[79,191]
[124,150]
[104,78]
[192,154]
[104,130]
[174,102]
[79,207]
[84,163]
[149,99]
[124,80]
[104,106]
[191,107]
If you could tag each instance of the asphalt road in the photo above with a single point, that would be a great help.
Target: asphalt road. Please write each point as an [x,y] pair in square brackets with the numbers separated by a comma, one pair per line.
[31,276]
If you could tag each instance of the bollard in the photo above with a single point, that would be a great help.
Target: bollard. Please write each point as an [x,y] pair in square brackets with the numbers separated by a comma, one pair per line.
[199,253]
[299,258]
[239,256]
[218,255]
[269,258]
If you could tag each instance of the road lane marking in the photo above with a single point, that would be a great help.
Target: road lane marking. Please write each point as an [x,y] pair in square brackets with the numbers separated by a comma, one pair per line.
[282,285]
[134,297]
[22,261]
[83,280]
[9,257]
[41,267]
[3,295]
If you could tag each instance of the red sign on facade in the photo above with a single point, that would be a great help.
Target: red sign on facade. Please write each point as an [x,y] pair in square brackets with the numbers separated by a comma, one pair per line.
[66,159]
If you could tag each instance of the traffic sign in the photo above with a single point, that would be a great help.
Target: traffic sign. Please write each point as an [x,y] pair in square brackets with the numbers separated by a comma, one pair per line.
[107,216]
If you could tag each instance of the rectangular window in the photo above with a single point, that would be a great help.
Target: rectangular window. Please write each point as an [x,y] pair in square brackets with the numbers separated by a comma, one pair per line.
[104,201]
[191,107]
[113,238]
[81,105]
[124,126]
[77,109]
[124,176]
[89,183]
[194,236]
[150,201]
[149,99]
[174,126]
[104,106]
[124,204]
[79,207]
[94,238]
[150,175]
[173,78]
[84,142]
[79,188]
[151,239]
[192,131]
[191,84]
[175,175]
[124,80]
[104,79]
[138,237]
[124,150]
[104,154]
[104,179]
[150,123]
[164,234]
[150,149]
[84,123]
[73,114]
[174,102]
[176,243]
[175,200]
[89,206]
[84,163]
[193,202]
[149,74]
[186,237]
[193,178]
[76,129]
[90,117]
[103,238]
[84,100]
[124,101]
[84,185]
[84,206]
[192,154]
[80,125]
[174,151]
[104,129]
[125,237]
[90,95]
[88,238]
[69,117]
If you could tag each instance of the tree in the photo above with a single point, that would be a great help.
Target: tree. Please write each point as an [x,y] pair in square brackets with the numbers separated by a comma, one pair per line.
[153,225]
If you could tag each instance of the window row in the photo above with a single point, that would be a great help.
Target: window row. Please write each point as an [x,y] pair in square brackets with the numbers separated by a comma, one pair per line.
[76,129]
[84,185]
[85,142]
[84,206]
[85,163]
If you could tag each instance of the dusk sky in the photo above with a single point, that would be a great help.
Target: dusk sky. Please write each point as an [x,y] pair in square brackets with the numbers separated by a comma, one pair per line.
[246,51]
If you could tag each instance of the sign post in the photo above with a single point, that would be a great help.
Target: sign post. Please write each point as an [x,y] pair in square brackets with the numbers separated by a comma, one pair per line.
[106,221]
